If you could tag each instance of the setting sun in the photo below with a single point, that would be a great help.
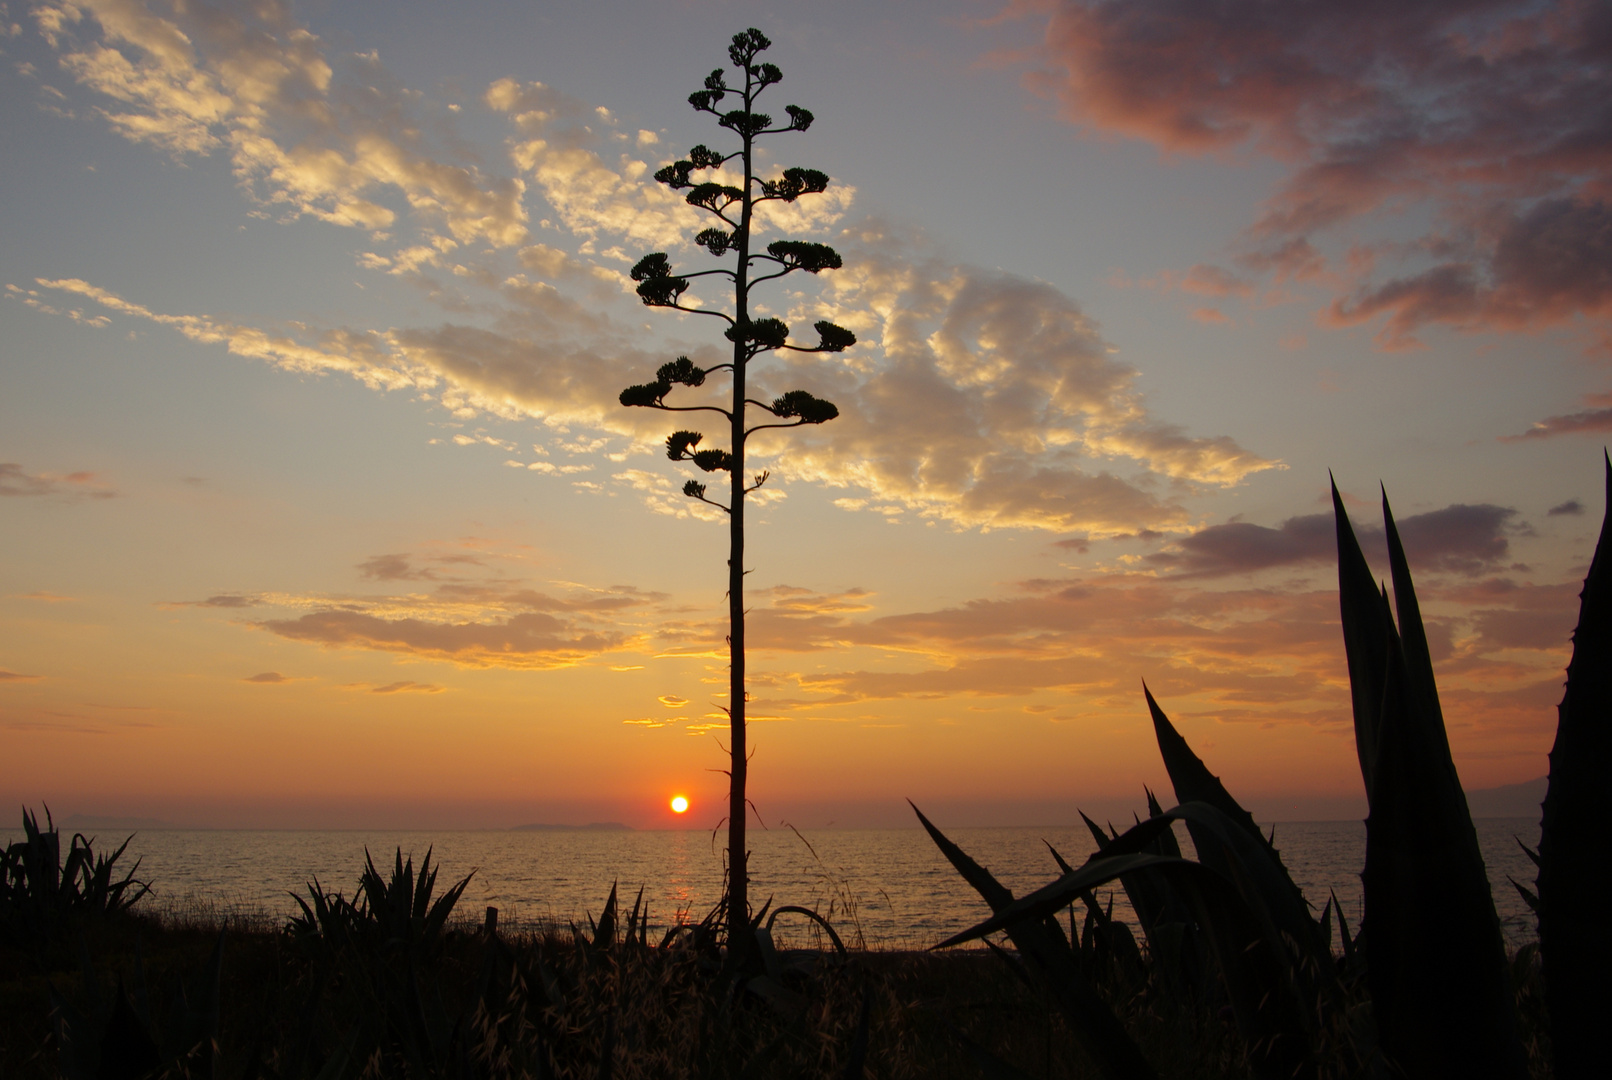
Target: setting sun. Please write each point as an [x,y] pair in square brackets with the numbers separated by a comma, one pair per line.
[679,804]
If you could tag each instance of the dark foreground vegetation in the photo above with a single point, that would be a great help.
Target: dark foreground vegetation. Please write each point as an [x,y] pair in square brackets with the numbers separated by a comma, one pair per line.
[1229,972]
[393,985]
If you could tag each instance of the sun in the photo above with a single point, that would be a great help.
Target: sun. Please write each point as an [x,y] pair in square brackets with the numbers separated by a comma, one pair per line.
[679,804]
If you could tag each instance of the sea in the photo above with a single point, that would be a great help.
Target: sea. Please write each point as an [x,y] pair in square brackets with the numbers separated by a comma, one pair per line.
[881,888]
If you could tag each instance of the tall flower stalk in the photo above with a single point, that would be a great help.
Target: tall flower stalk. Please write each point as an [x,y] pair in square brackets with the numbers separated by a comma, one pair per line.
[660,286]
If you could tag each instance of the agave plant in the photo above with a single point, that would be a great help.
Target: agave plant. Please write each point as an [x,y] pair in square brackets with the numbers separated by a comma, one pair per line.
[40,893]
[1442,991]
[1575,874]
[1435,959]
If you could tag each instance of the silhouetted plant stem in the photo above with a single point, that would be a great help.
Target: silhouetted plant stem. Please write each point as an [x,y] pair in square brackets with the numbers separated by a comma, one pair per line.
[660,287]
[738,854]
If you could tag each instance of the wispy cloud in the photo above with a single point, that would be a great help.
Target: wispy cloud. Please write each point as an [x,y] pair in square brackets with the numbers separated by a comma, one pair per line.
[408,687]
[480,618]
[1596,420]
[221,600]
[976,398]
[532,639]
[306,133]
[16,483]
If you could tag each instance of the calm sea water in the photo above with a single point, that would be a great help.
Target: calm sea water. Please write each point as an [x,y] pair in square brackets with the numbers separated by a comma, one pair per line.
[886,888]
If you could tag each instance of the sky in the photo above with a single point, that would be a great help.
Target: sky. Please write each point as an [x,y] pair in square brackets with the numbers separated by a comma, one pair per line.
[318,507]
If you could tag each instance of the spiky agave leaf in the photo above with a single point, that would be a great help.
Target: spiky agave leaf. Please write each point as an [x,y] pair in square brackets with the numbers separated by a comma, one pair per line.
[1038,938]
[1575,875]
[1368,633]
[1247,948]
[1194,783]
[1435,960]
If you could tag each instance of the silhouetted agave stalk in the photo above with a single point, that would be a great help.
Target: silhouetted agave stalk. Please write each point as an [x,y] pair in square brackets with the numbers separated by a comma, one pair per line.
[1575,871]
[752,340]
[1435,960]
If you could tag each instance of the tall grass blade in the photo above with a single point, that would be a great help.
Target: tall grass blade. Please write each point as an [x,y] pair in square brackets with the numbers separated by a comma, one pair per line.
[1041,940]
[604,936]
[1575,873]
[1344,939]
[1435,960]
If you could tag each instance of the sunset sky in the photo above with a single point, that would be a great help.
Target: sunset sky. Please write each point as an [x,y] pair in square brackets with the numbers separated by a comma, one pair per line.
[317,506]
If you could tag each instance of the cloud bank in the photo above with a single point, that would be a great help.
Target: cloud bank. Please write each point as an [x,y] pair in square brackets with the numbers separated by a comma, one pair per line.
[977,398]
[1489,113]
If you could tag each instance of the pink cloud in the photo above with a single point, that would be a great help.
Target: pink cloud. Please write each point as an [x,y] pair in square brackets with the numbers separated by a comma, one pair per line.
[1592,421]
[83,485]
[1492,113]
[1207,280]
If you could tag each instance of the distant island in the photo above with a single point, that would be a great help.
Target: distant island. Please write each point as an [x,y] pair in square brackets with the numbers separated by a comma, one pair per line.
[93,822]
[1509,800]
[593,826]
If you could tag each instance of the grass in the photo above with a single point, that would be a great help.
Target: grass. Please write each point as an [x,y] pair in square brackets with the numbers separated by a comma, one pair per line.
[563,1005]
[562,1002]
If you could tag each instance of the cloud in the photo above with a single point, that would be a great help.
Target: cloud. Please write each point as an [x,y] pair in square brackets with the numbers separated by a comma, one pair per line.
[407,687]
[15,483]
[530,640]
[222,600]
[391,568]
[1490,115]
[1240,547]
[1077,647]
[338,141]
[994,402]
[362,356]
[1594,421]
[472,621]
[1207,280]
[977,398]
[599,196]
[1571,506]
[980,398]
[1460,538]
[12,676]
[266,677]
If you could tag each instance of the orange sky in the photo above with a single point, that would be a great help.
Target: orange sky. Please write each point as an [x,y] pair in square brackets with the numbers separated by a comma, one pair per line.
[318,507]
